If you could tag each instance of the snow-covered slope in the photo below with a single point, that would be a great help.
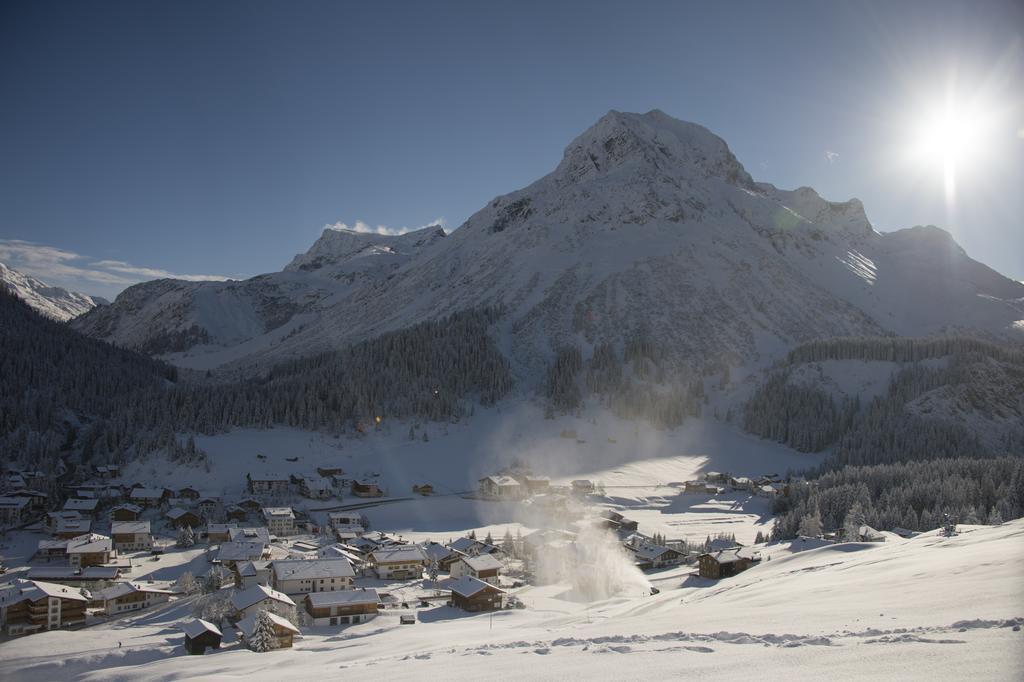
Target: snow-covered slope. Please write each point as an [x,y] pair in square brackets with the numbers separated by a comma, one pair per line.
[648,223]
[55,302]
[927,608]
[207,324]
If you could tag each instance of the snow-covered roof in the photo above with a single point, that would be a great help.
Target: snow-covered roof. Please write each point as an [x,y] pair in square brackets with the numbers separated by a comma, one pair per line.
[278,512]
[501,481]
[246,624]
[118,590]
[251,534]
[482,562]
[177,513]
[240,551]
[728,556]
[128,506]
[342,597]
[129,527]
[66,525]
[198,626]
[88,544]
[334,551]
[147,493]
[68,573]
[651,552]
[467,586]
[81,505]
[34,590]
[397,554]
[253,595]
[278,478]
[13,502]
[251,569]
[308,569]
[465,544]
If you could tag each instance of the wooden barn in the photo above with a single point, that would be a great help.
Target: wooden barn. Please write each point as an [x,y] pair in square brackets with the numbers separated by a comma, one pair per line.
[723,564]
[201,635]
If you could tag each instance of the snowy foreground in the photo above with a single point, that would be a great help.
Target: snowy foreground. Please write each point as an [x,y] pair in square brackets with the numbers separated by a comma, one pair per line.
[925,608]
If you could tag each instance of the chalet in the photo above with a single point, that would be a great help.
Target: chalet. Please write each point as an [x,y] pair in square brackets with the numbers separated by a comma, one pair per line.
[720,543]
[327,472]
[699,487]
[716,477]
[54,518]
[300,576]
[51,550]
[250,505]
[219,532]
[768,490]
[83,507]
[251,534]
[424,489]
[284,631]
[252,600]
[399,562]
[189,493]
[207,506]
[482,567]
[36,500]
[129,596]
[68,528]
[466,545]
[470,594]
[13,510]
[267,484]
[741,483]
[125,512]
[316,487]
[438,553]
[180,518]
[723,564]
[131,536]
[656,556]
[536,485]
[235,513]
[89,550]
[29,606]
[201,635]
[366,489]
[582,487]
[500,488]
[613,520]
[107,471]
[148,497]
[545,539]
[249,573]
[231,553]
[280,520]
[342,608]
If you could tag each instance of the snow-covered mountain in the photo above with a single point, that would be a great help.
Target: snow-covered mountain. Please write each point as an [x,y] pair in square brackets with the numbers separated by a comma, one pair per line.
[55,302]
[647,224]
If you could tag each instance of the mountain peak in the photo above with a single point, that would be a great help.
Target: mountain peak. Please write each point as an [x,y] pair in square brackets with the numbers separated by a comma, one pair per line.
[655,140]
[54,302]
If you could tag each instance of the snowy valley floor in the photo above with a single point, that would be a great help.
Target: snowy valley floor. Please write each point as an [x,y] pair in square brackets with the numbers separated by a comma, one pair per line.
[925,608]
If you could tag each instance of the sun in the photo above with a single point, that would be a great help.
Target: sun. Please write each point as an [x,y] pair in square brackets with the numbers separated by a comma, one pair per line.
[951,135]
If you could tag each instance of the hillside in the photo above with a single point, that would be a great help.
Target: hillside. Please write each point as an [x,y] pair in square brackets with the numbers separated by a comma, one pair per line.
[648,224]
[925,608]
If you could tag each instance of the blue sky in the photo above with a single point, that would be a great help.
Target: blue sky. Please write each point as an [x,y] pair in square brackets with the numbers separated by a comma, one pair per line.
[144,139]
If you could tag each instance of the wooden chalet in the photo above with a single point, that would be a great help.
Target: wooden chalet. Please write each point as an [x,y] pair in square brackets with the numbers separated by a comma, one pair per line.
[342,608]
[201,635]
[470,594]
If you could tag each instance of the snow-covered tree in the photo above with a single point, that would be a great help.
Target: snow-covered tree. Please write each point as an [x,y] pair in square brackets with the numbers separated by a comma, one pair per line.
[263,637]
[186,536]
[187,583]
[810,524]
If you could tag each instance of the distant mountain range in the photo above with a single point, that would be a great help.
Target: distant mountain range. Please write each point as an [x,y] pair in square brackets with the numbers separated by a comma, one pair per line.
[54,302]
[649,225]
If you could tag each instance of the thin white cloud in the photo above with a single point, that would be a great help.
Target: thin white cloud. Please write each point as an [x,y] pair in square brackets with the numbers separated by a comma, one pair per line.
[831,156]
[360,226]
[72,270]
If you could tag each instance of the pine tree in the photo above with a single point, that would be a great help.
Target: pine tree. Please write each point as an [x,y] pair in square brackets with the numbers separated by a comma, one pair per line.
[186,536]
[760,539]
[854,520]
[263,637]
